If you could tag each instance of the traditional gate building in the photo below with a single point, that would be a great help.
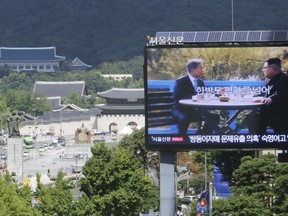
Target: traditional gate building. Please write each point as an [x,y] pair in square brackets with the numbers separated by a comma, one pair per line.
[124,107]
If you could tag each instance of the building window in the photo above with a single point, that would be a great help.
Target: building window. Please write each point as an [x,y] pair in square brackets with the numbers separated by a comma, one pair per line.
[21,67]
[41,67]
[34,67]
[27,67]
[48,66]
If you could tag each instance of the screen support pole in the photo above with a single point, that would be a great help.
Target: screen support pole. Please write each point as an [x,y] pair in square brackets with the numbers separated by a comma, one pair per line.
[167,183]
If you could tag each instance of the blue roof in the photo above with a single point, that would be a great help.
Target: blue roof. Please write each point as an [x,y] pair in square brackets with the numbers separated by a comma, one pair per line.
[29,54]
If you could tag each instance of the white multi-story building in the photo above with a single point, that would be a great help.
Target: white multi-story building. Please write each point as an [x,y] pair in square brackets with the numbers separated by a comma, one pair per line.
[117,77]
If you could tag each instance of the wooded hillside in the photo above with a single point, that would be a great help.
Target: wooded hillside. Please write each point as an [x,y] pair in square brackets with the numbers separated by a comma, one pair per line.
[99,31]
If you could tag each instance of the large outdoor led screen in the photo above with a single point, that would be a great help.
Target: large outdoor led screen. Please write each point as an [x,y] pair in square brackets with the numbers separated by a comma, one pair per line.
[230,106]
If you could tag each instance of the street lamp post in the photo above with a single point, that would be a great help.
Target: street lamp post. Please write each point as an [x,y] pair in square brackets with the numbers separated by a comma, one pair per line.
[210,198]
[34,112]
[77,156]
[61,123]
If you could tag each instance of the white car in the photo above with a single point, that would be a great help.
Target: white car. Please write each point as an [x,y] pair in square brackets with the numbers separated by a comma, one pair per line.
[190,198]
[55,142]
[45,146]
[26,153]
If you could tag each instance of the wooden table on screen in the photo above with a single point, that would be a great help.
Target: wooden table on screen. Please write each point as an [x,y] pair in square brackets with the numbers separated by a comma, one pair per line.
[205,105]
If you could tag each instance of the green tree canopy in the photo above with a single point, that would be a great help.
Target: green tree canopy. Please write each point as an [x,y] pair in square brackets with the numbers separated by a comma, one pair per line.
[116,183]
[241,205]
[259,186]
[14,201]
[57,199]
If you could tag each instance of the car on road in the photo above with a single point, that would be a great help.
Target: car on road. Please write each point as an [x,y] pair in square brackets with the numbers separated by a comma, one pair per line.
[55,142]
[189,198]
[29,146]
[25,153]
[62,155]
[49,134]
[45,146]
[3,156]
[61,141]
[50,146]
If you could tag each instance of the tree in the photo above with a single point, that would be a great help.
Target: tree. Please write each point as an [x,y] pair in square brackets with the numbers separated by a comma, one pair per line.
[55,200]
[280,188]
[17,81]
[74,98]
[136,144]
[229,161]
[241,205]
[96,83]
[13,200]
[116,183]
[261,182]
[4,71]
[256,176]
[149,160]
[25,101]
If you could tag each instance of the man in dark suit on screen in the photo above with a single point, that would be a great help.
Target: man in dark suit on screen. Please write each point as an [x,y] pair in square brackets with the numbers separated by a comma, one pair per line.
[186,87]
[274,113]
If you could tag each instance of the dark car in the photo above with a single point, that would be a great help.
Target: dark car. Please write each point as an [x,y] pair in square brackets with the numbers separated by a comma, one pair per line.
[61,141]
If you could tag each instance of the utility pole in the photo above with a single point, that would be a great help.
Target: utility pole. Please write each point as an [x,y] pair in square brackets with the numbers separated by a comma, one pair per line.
[34,112]
[61,132]
[210,198]
[77,156]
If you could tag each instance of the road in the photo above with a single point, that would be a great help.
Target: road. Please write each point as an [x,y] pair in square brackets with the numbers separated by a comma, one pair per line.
[55,159]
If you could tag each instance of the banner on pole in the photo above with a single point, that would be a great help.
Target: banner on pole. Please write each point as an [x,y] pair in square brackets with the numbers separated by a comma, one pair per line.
[203,202]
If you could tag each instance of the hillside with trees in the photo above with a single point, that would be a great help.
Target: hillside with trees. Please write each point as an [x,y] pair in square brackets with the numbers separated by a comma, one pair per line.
[104,31]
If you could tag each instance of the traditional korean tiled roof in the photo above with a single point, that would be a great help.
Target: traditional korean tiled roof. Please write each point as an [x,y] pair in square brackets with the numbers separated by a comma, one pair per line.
[61,89]
[123,108]
[23,54]
[77,63]
[121,93]
[118,110]
[70,107]
[73,115]
[55,102]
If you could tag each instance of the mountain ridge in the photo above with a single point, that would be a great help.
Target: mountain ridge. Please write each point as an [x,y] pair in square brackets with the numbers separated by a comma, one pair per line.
[104,31]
